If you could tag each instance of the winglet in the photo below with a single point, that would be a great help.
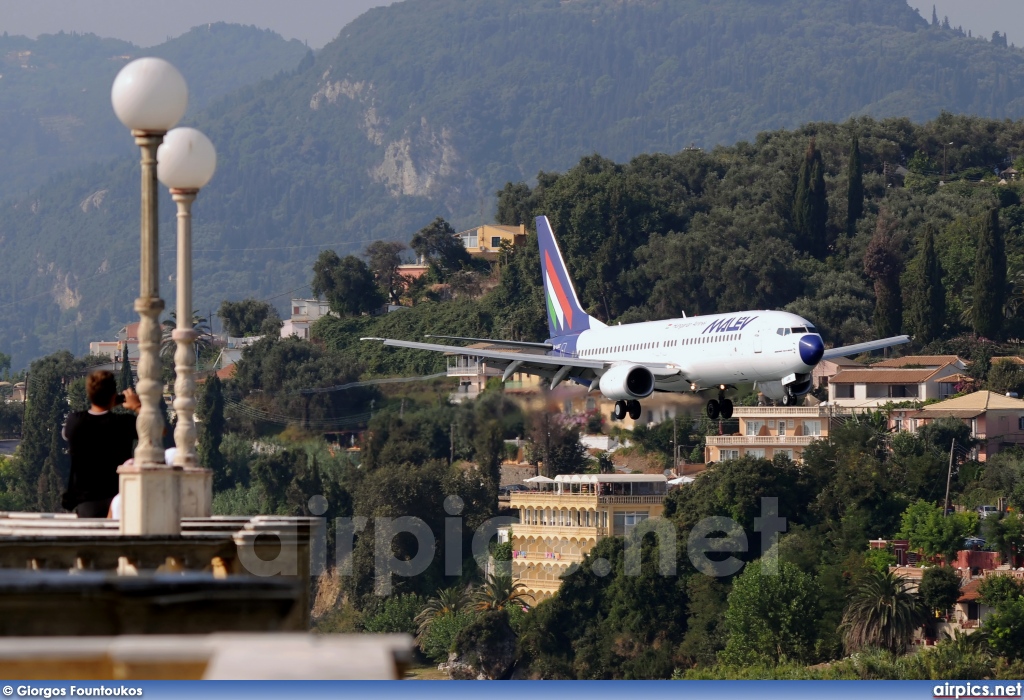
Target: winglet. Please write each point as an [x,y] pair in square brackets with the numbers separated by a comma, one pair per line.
[565,315]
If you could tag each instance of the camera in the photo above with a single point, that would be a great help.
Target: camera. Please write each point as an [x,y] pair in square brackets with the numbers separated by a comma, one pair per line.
[119,399]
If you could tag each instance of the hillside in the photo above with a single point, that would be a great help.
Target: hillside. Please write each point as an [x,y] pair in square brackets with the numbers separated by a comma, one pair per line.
[428,107]
[55,98]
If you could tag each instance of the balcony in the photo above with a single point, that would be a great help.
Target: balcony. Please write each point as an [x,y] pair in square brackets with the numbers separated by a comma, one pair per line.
[528,499]
[758,440]
[524,530]
[776,411]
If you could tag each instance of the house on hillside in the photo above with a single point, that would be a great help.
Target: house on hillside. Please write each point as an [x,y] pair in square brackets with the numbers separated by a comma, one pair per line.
[911,378]
[768,431]
[305,312]
[485,241]
[826,369]
[996,421]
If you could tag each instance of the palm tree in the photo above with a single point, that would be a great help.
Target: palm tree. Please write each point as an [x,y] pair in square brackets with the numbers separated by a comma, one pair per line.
[447,600]
[499,592]
[883,613]
[200,325]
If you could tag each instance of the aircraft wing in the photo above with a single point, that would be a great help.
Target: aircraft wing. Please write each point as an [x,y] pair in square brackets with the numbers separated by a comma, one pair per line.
[857,349]
[554,367]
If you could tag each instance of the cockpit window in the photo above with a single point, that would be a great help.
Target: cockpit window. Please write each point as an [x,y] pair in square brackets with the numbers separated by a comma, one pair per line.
[798,329]
[783,331]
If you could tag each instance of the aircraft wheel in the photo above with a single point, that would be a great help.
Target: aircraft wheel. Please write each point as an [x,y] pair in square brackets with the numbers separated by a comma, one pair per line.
[713,409]
[788,400]
[726,408]
[619,412]
[634,409]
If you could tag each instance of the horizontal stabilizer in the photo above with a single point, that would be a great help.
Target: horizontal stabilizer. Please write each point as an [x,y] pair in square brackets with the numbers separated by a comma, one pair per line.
[857,349]
[492,341]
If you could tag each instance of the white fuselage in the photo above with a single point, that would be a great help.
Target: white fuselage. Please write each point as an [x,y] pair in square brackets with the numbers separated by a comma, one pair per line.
[729,349]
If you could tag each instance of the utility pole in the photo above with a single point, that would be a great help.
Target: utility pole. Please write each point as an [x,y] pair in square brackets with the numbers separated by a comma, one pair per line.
[451,438]
[675,445]
[949,477]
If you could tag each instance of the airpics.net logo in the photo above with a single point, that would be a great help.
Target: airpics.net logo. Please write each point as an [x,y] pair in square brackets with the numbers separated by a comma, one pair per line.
[977,690]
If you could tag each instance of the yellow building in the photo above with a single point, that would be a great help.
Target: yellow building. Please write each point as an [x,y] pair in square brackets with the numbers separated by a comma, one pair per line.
[566,517]
[485,241]
[767,431]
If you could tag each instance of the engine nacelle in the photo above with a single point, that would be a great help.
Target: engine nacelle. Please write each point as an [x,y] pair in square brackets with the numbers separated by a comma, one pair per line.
[798,385]
[627,381]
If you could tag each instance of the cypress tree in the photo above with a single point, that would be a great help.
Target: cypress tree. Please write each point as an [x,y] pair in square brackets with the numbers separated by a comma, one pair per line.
[126,380]
[927,296]
[883,265]
[810,206]
[989,278]
[935,17]
[210,410]
[45,411]
[855,188]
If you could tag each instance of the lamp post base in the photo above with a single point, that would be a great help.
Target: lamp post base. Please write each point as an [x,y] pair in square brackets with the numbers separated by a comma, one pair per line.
[196,492]
[150,499]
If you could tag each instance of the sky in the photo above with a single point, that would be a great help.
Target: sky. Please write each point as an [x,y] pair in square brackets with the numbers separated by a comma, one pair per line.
[980,16]
[150,22]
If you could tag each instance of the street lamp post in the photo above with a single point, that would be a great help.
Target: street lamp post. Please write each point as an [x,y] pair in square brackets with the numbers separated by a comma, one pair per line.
[187,161]
[149,96]
[944,157]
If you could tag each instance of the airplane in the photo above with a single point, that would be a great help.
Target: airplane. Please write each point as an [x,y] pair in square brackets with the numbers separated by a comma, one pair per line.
[776,351]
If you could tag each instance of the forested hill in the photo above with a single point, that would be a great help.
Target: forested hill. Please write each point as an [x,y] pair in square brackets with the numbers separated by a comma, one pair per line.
[427,107]
[55,91]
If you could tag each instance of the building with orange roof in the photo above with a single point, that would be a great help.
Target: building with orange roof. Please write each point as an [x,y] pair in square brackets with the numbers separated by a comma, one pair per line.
[911,378]
[996,421]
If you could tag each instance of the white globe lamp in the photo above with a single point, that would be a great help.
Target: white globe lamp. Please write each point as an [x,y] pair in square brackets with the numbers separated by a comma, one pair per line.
[186,160]
[149,95]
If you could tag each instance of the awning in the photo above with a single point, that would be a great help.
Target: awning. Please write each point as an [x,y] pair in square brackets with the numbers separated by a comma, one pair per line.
[538,480]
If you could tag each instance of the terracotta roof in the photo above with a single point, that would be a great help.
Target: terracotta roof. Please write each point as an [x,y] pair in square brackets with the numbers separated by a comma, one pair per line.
[227,372]
[969,592]
[844,362]
[977,401]
[883,376]
[959,378]
[1012,358]
[951,413]
[934,361]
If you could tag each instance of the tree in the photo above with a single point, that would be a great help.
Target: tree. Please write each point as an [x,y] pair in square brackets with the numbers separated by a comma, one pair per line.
[883,612]
[940,587]
[810,205]
[558,445]
[882,263]
[385,257]
[346,283]
[5,365]
[210,412]
[126,379]
[927,296]
[200,325]
[927,529]
[1004,377]
[854,188]
[771,618]
[989,285]
[996,590]
[453,599]
[1005,629]
[438,244]
[1004,532]
[45,412]
[500,591]
[245,318]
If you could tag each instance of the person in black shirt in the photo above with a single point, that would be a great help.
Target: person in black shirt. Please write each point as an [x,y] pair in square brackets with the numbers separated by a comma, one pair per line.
[99,441]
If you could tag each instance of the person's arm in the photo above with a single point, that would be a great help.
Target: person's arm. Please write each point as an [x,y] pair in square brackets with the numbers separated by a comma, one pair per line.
[131,400]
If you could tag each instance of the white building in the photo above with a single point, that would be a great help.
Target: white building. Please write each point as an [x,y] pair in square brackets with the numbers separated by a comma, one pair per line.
[305,312]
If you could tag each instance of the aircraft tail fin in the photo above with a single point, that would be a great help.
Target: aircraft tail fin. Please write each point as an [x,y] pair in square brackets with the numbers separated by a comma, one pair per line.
[565,315]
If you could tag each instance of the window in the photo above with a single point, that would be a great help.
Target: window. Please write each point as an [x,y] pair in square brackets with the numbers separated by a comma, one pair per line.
[782,427]
[754,427]
[812,427]
[843,391]
[625,522]
[786,453]
[1020,423]
[757,452]
[728,454]
[495,241]
[470,239]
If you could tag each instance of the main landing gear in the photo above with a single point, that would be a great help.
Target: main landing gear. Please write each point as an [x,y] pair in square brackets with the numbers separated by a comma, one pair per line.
[624,408]
[720,408]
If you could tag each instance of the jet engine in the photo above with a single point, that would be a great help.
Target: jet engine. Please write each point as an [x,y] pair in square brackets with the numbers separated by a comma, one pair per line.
[627,381]
[791,387]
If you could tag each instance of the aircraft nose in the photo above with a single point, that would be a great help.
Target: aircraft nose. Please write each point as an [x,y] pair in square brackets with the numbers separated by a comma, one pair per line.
[811,349]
